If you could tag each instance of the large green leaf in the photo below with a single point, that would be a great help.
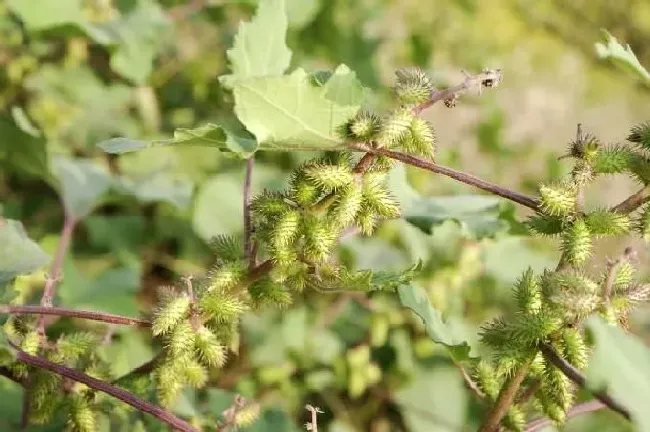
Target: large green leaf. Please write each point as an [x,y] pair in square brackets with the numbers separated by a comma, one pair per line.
[450,333]
[293,113]
[260,49]
[159,186]
[435,401]
[299,12]
[208,135]
[83,183]
[620,364]
[18,253]
[622,56]
[479,215]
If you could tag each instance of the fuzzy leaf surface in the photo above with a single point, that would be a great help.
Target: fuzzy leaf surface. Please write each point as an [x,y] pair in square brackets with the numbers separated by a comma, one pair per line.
[622,56]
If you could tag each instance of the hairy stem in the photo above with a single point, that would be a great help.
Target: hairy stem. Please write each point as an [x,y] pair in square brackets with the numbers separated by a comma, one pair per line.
[452,173]
[505,400]
[633,202]
[63,312]
[55,268]
[574,375]
[248,249]
[577,410]
[107,388]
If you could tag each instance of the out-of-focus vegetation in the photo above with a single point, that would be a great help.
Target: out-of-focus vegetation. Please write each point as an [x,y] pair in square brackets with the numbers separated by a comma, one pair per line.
[77,72]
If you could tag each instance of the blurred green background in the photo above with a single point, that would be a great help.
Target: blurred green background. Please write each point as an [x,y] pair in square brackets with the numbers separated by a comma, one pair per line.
[75,72]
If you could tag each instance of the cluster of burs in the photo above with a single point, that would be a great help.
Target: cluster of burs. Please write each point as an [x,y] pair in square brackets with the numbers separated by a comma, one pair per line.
[551,306]
[294,235]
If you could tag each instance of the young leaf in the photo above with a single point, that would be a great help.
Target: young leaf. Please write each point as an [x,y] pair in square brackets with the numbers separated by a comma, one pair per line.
[622,56]
[260,48]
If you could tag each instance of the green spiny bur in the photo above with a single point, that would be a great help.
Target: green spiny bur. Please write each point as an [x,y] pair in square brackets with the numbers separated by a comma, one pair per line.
[170,314]
[364,126]
[181,340]
[639,166]
[269,204]
[527,293]
[44,396]
[640,135]
[346,205]
[558,199]
[612,160]
[575,348]
[227,248]
[605,222]
[81,417]
[194,373]
[413,86]
[577,243]
[221,307]
[366,220]
[209,349]
[302,191]
[486,378]
[267,293]
[420,139]
[329,177]
[286,229]
[320,238]
[395,127]
[226,275]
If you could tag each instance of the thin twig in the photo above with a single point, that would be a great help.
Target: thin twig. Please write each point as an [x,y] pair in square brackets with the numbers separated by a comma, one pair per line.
[248,249]
[63,312]
[576,376]
[452,173]
[107,388]
[504,401]
[471,384]
[633,202]
[480,80]
[312,425]
[54,275]
[577,410]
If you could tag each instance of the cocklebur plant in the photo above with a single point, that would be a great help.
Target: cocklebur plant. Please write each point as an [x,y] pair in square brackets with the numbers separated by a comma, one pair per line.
[290,242]
[530,345]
